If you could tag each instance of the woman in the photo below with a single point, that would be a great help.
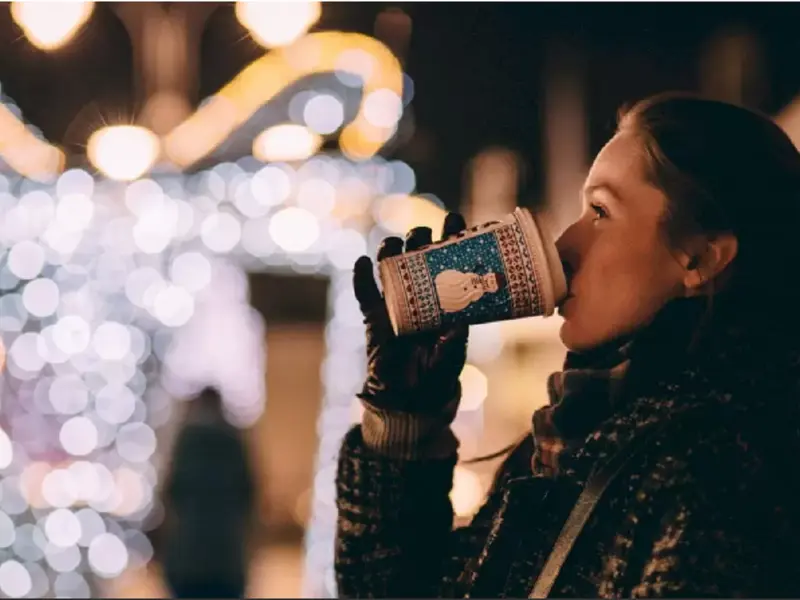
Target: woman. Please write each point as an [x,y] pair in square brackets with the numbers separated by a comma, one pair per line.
[681,329]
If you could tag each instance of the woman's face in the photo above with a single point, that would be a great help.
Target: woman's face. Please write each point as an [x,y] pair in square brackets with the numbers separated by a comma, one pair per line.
[621,271]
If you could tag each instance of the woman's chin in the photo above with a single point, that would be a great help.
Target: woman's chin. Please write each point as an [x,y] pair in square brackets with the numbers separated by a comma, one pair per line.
[575,338]
[566,335]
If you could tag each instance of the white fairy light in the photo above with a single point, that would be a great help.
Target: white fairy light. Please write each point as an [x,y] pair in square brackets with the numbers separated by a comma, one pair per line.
[105,277]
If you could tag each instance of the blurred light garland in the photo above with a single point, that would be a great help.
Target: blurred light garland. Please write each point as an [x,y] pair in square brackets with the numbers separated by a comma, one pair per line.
[101,284]
[107,289]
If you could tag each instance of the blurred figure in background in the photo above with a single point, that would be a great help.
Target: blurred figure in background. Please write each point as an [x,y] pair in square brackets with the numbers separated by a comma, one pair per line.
[209,498]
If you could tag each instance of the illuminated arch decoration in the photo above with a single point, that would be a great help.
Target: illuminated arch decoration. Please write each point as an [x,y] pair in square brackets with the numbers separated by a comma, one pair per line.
[267,76]
[25,152]
[91,228]
[124,258]
[210,125]
[99,206]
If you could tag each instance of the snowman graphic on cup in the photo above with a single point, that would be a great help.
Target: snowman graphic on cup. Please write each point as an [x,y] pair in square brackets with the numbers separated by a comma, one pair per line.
[457,290]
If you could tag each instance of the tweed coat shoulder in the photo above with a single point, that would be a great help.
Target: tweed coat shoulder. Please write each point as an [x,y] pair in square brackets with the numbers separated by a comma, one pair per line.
[710,509]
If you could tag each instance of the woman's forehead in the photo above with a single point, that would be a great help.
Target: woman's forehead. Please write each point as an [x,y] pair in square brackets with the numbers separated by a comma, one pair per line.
[619,161]
[620,172]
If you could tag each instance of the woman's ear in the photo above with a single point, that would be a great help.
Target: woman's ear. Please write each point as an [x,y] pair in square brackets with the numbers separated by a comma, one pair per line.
[708,261]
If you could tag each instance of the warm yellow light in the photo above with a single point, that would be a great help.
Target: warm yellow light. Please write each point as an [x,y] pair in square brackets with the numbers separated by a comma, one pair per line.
[274,24]
[24,152]
[123,152]
[467,493]
[2,355]
[400,212]
[474,387]
[266,77]
[285,143]
[49,25]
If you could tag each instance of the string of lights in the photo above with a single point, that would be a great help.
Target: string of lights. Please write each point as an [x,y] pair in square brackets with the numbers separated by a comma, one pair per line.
[109,283]
[102,285]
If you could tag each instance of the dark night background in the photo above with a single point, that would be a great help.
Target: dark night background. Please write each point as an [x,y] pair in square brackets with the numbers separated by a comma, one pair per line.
[477,69]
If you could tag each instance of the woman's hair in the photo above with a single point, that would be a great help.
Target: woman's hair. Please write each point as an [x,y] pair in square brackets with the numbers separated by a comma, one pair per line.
[724,169]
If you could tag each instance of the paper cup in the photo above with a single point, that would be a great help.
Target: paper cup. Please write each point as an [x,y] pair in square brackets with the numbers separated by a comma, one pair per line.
[493,272]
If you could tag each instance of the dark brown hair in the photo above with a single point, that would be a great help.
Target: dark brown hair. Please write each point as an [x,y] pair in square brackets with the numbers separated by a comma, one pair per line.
[724,169]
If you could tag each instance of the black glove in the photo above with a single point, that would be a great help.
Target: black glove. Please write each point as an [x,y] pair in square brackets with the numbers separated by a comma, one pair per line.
[416,372]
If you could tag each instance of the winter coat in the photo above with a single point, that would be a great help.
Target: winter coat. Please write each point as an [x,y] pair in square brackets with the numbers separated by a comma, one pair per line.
[710,509]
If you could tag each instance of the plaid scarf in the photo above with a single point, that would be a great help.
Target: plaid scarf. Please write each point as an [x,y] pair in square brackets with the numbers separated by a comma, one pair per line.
[581,397]
[589,388]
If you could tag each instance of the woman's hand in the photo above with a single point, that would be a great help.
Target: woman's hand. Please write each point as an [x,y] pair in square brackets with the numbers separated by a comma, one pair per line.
[410,373]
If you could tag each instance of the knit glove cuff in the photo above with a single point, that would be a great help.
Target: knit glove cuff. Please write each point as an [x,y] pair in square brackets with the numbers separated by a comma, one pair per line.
[410,436]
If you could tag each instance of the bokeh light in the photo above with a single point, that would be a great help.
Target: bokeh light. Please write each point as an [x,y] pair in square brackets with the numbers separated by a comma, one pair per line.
[108,555]
[354,66]
[78,436]
[24,151]
[324,113]
[49,25]
[26,259]
[15,580]
[383,108]
[6,450]
[271,185]
[191,271]
[106,285]
[374,66]
[40,297]
[287,142]
[123,152]
[274,24]
[221,232]
[62,527]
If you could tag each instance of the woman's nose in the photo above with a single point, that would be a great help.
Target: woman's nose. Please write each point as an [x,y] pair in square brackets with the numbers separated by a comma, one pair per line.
[568,250]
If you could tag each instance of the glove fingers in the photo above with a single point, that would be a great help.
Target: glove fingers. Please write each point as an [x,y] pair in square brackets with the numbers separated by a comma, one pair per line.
[390,246]
[418,237]
[364,286]
[454,224]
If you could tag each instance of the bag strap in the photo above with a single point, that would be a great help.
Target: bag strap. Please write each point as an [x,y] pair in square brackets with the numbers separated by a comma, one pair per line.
[597,484]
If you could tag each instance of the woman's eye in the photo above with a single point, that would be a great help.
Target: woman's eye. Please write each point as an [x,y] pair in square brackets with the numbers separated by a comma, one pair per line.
[599,211]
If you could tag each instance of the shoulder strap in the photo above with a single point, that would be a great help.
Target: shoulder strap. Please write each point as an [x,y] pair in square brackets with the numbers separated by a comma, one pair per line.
[596,485]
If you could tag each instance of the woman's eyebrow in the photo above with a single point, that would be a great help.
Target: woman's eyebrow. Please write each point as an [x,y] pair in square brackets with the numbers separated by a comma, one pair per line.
[605,188]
